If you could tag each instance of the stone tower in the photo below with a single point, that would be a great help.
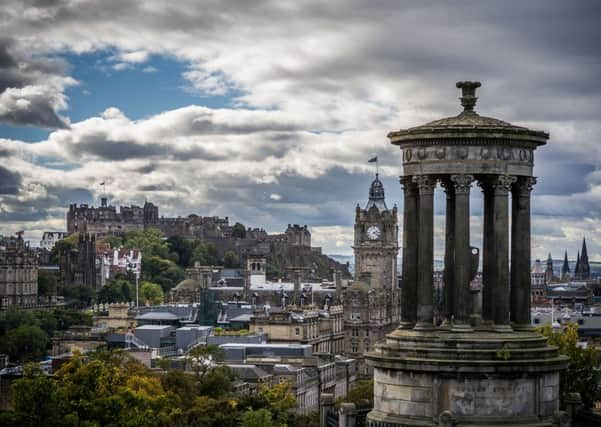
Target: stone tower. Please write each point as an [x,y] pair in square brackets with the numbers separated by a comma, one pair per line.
[376,240]
[549,274]
[498,372]
[371,303]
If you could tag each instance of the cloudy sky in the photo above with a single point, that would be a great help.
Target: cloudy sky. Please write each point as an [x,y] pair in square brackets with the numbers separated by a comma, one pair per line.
[267,111]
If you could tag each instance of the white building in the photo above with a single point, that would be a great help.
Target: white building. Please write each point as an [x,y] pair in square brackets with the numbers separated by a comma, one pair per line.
[49,239]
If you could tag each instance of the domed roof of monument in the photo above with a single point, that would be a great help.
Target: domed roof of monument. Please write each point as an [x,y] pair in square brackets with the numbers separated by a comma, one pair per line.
[467,122]
[376,195]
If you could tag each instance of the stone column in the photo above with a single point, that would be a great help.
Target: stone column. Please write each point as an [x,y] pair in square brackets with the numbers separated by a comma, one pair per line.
[449,252]
[487,255]
[520,253]
[462,307]
[425,252]
[500,275]
[409,260]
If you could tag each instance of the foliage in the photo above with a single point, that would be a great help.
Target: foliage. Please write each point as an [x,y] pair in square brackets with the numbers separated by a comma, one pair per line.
[24,334]
[77,296]
[47,283]
[231,260]
[114,241]
[218,331]
[63,247]
[360,394]
[109,388]
[150,241]
[200,358]
[183,248]
[151,293]
[119,290]
[582,375]
[205,254]
[239,230]
[165,272]
[36,399]
[258,418]
[25,343]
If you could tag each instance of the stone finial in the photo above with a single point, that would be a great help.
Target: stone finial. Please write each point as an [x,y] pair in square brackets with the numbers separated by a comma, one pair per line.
[468,94]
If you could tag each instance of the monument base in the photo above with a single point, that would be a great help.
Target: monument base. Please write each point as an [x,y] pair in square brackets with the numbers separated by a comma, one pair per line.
[446,378]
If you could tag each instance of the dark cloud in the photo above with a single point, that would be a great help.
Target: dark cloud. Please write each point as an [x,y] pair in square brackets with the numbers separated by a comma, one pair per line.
[9,181]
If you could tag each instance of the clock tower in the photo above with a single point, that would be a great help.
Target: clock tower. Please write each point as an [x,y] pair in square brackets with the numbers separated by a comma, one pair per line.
[376,240]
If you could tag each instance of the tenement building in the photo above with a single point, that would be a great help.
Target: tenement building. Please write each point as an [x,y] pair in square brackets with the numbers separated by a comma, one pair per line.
[459,373]
[371,303]
[18,273]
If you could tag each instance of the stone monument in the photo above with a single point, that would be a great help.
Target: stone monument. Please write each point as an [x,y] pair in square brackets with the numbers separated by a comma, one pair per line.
[499,371]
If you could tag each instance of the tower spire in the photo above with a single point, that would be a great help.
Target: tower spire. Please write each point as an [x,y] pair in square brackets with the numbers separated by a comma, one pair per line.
[565,268]
[585,269]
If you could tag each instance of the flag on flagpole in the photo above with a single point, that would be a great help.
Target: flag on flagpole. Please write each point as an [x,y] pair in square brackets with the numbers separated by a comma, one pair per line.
[102,183]
[373,159]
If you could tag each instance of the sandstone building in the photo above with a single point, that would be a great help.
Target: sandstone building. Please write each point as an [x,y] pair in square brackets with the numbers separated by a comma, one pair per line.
[18,273]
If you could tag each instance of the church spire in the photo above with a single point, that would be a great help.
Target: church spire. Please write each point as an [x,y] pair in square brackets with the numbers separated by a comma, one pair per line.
[549,270]
[565,268]
[585,269]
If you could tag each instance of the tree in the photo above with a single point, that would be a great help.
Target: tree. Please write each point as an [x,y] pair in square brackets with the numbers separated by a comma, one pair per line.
[582,375]
[230,260]
[200,359]
[162,271]
[217,382]
[118,290]
[239,230]
[362,392]
[151,293]
[63,247]
[205,254]
[258,418]
[36,399]
[150,241]
[47,283]
[183,248]
[25,343]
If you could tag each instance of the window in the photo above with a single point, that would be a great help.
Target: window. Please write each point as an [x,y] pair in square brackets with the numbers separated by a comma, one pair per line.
[297,331]
[536,320]
[581,321]
[355,332]
[354,348]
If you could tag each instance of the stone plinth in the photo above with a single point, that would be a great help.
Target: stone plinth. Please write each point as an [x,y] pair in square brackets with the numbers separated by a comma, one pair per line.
[479,378]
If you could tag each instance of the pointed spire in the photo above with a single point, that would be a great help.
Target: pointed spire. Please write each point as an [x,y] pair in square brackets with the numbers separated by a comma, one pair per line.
[565,268]
[585,268]
[584,254]
[577,268]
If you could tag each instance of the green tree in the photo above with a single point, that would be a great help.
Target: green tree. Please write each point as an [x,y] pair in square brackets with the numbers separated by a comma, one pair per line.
[183,248]
[36,399]
[118,290]
[162,271]
[583,375]
[200,359]
[151,293]
[63,247]
[205,254]
[25,343]
[217,382]
[362,392]
[47,284]
[258,418]
[239,230]
[114,242]
[150,241]
[230,260]
[77,296]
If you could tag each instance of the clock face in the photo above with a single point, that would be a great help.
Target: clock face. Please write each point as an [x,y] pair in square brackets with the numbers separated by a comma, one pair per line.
[373,233]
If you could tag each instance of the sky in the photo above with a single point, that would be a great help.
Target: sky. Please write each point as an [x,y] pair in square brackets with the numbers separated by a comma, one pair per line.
[267,111]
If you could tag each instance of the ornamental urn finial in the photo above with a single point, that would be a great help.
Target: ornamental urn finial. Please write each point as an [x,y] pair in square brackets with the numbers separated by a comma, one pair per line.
[468,94]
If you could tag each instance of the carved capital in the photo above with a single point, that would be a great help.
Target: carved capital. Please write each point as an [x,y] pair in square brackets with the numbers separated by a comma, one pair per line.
[409,187]
[501,184]
[462,182]
[425,184]
[524,186]
[448,186]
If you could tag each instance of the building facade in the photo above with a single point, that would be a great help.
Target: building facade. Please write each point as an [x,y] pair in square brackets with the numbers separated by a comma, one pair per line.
[18,273]
[49,239]
[372,302]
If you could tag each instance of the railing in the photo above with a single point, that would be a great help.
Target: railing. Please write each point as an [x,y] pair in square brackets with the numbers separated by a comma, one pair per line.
[198,341]
[132,339]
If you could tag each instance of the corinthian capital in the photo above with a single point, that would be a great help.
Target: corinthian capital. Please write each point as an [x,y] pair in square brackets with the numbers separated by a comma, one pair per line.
[525,185]
[501,184]
[408,185]
[426,184]
[462,182]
